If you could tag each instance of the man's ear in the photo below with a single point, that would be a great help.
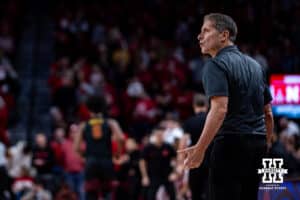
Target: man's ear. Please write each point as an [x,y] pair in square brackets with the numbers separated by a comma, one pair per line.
[224,36]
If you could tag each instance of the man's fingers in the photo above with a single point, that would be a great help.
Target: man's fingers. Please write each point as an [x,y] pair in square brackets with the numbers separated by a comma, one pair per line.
[186,152]
[190,164]
[183,150]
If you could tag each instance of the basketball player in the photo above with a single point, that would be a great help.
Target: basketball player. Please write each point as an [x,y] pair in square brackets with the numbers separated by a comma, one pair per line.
[97,134]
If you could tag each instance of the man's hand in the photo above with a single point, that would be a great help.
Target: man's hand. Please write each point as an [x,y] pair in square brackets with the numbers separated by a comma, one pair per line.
[39,162]
[145,181]
[172,177]
[193,156]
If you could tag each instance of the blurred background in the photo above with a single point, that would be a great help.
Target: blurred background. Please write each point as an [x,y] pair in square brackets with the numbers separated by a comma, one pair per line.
[143,57]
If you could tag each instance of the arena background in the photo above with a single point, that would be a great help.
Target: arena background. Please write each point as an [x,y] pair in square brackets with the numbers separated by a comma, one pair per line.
[143,56]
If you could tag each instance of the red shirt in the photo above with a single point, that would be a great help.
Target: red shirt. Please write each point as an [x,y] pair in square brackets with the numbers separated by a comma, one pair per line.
[72,161]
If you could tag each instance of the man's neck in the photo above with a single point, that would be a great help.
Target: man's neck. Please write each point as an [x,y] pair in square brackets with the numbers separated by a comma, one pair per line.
[222,46]
[159,144]
[198,110]
[97,115]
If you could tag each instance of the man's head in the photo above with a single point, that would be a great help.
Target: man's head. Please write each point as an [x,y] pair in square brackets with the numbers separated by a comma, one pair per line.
[158,134]
[200,103]
[218,30]
[73,131]
[97,105]
[59,134]
[41,140]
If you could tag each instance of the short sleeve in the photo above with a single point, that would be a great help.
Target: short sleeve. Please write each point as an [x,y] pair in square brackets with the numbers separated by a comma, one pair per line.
[267,94]
[173,153]
[214,80]
[144,153]
[186,127]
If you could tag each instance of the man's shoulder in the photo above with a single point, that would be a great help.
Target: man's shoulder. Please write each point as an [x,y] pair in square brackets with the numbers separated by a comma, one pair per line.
[211,64]
[250,59]
[234,58]
[149,146]
[196,117]
[167,146]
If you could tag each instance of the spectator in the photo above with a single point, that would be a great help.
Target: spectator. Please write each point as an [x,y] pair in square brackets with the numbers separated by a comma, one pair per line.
[5,182]
[3,121]
[19,160]
[38,192]
[23,183]
[73,163]
[65,97]
[289,128]
[56,145]
[43,162]
[144,115]
[6,39]
[43,157]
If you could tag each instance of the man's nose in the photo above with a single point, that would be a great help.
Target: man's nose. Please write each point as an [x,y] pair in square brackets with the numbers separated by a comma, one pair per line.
[199,36]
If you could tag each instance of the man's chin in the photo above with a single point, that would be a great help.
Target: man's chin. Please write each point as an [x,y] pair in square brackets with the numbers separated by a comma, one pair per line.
[203,51]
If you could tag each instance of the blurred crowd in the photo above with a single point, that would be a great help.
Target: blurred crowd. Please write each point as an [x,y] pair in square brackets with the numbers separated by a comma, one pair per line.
[9,84]
[143,57]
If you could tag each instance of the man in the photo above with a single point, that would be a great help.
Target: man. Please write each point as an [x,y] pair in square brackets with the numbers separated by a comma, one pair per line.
[5,182]
[198,178]
[156,166]
[73,163]
[97,133]
[240,114]
[43,160]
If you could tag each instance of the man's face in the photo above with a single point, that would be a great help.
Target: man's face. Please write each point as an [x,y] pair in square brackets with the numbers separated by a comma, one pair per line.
[210,38]
[41,140]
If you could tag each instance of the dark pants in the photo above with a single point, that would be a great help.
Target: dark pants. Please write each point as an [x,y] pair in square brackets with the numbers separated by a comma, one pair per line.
[234,162]
[99,175]
[155,184]
[75,181]
[130,189]
[198,179]
[5,184]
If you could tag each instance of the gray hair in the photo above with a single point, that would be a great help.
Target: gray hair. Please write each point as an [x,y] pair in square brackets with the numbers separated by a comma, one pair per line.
[223,22]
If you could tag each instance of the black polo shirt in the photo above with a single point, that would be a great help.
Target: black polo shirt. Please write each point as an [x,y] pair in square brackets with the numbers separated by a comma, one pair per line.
[158,159]
[239,77]
[194,126]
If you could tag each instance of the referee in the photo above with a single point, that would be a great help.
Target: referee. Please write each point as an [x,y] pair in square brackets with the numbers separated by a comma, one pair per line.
[193,126]
[239,121]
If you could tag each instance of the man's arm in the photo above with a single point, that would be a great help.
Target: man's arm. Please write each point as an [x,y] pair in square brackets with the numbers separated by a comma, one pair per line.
[117,132]
[194,155]
[78,138]
[213,121]
[269,123]
[143,170]
[216,87]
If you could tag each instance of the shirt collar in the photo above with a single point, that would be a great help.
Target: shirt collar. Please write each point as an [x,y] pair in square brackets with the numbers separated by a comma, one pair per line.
[227,49]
